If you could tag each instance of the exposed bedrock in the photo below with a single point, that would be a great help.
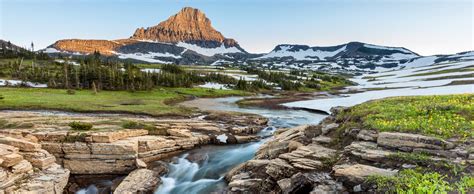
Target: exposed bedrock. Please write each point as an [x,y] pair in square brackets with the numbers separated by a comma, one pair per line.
[328,158]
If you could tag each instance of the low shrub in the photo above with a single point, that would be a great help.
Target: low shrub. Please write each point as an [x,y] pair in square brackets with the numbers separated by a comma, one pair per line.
[149,127]
[80,126]
[71,92]
[132,125]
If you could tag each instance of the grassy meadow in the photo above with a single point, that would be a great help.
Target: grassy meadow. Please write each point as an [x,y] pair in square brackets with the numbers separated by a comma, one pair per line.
[442,116]
[155,102]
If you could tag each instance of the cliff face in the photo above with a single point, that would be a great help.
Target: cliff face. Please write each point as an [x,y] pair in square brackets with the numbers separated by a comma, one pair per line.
[189,25]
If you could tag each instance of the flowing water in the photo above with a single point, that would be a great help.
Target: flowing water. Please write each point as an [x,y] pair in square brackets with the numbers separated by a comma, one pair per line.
[205,175]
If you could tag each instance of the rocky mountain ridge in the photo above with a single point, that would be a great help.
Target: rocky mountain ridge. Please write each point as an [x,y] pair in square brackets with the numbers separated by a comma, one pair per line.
[189,38]
[185,38]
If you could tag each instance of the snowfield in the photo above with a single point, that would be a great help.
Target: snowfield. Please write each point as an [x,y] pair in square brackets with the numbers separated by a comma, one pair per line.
[209,51]
[403,82]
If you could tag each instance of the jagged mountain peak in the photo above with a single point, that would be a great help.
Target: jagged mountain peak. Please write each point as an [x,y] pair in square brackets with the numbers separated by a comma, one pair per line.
[188,25]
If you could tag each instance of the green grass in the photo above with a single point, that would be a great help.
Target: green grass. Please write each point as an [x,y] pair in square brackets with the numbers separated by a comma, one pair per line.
[441,116]
[154,102]
[416,181]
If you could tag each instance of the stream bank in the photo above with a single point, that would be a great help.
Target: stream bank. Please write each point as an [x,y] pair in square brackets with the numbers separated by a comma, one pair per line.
[202,170]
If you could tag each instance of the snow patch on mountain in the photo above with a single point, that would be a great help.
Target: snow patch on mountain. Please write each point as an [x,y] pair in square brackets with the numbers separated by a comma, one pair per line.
[148,57]
[209,51]
[420,62]
[403,50]
[302,54]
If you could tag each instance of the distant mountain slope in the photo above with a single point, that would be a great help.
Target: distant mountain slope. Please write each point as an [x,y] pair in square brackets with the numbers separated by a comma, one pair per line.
[10,46]
[349,50]
[353,55]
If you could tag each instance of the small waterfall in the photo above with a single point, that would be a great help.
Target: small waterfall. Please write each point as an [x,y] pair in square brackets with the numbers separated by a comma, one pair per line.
[207,175]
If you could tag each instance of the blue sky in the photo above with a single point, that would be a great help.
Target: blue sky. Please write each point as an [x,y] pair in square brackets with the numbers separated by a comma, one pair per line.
[424,26]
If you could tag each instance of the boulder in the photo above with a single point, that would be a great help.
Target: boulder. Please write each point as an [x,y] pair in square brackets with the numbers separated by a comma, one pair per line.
[111,136]
[120,147]
[40,159]
[99,166]
[338,109]
[271,150]
[293,145]
[21,144]
[243,183]
[325,129]
[23,167]
[140,163]
[357,173]
[295,133]
[322,140]
[179,132]
[139,181]
[257,167]
[50,180]
[11,159]
[150,143]
[76,148]
[367,151]
[279,169]
[305,182]
[367,135]
[309,157]
[312,131]
[52,147]
[406,140]
[245,138]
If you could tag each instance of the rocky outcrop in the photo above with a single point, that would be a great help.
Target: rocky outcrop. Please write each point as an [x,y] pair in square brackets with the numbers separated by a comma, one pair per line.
[26,168]
[334,158]
[139,181]
[111,149]
[405,141]
[358,173]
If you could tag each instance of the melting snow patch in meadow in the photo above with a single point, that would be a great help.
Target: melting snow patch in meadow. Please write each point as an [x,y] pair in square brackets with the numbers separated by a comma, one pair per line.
[245,77]
[354,99]
[213,85]
[19,82]
[151,70]
[69,62]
